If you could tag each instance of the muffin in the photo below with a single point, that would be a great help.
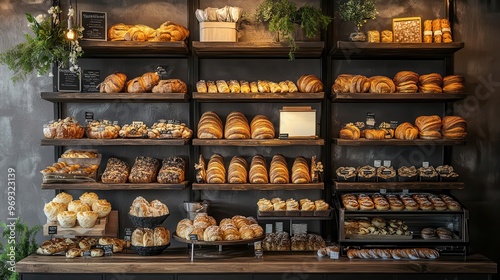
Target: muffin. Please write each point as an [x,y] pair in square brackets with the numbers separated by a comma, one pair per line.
[66,219]
[87,219]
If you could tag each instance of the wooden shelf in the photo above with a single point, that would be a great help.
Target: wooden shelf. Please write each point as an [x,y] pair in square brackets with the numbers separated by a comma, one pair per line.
[114,142]
[398,142]
[256,49]
[348,50]
[376,186]
[114,187]
[256,143]
[257,187]
[132,48]
[258,97]
[88,97]
[396,97]
[107,226]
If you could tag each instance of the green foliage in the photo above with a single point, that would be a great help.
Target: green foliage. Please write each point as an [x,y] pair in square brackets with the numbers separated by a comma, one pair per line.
[358,11]
[41,50]
[282,15]
[25,245]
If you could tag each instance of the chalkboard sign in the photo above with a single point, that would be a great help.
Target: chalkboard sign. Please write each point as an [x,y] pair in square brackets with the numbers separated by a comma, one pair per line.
[95,25]
[52,230]
[68,81]
[90,80]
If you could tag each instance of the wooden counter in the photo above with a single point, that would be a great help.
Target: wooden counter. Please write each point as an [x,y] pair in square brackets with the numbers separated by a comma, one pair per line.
[177,262]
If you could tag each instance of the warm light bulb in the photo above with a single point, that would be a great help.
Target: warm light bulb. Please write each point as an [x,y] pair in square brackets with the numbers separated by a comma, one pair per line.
[70,35]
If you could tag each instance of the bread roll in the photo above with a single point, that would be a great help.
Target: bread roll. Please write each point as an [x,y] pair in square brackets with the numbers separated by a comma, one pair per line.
[279,171]
[63,198]
[216,171]
[148,238]
[406,131]
[262,128]
[236,126]
[237,173]
[201,86]
[300,171]
[102,207]
[161,236]
[258,171]
[66,219]
[137,238]
[73,253]
[87,219]
[144,83]
[309,83]
[78,206]
[51,210]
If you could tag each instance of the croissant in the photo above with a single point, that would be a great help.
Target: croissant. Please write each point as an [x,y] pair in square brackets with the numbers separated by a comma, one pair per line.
[170,86]
[309,83]
[359,84]
[258,171]
[426,123]
[382,84]
[350,131]
[234,86]
[113,83]
[175,31]
[342,83]
[236,126]
[216,172]
[117,32]
[279,171]
[262,128]
[406,131]
[244,87]
[210,126]
[144,83]
[374,134]
[300,171]
[237,173]
[139,33]
[222,86]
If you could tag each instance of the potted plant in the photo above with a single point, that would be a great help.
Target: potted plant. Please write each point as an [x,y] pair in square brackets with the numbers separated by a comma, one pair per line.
[358,12]
[20,243]
[283,17]
[51,44]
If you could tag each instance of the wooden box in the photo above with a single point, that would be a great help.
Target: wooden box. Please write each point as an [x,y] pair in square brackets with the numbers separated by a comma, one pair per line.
[218,32]
[407,30]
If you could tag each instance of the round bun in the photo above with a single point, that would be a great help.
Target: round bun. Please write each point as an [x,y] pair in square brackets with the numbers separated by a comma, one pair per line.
[78,206]
[87,219]
[66,219]
[102,207]
[89,198]
[63,198]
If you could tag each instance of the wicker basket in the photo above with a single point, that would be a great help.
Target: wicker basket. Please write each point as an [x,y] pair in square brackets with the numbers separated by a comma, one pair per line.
[147,222]
[149,251]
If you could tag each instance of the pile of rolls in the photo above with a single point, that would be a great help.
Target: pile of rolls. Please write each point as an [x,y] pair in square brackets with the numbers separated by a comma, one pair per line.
[237,127]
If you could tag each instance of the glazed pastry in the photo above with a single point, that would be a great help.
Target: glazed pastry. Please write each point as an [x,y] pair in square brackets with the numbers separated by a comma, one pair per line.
[382,84]
[300,171]
[236,126]
[210,126]
[291,86]
[365,202]
[66,219]
[350,131]
[211,87]
[170,86]
[262,128]
[258,171]
[309,83]
[254,87]
[278,172]
[102,207]
[430,83]
[387,129]
[113,83]
[245,87]
[343,83]
[201,86]
[274,87]
[87,219]
[237,172]
[284,87]
[170,31]
[234,86]
[102,129]
[216,172]
[164,129]
[139,33]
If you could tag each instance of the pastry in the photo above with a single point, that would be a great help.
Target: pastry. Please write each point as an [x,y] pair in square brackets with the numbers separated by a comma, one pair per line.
[172,171]
[94,253]
[68,128]
[89,198]
[395,204]
[309,83]
[73,253]
[387,36]
[446,29]
[374,134]
[428,233]
[292,205]
[139,33]
[258,171]
[216,171]
[117,32]
[264,205]
[158,208]
[136,129]
[359,84]
[212,233]
[78,206]
[342,83]
[144,83]
[211,87]
[144,170]
[201,172]
[201,86]
[406,81]
[246,232]
[63,198]
[382,84]
[365,202]
[263,86]
[262,128]
[428,38]
[66,219]
[257,230]
[278,171]
[346,173]
[79,154]
[222,86]
[406,131]
[164,129]
[453,84]
[113,83]
[386,174]
[116,171]
[428,173]
[210,126]
[118,244]
[87,219]
[170,31]
[430,83]
[254,88]
[170,86]
[291,86]
[161,236]
[429,127]
[454,127]
[102,129]
[284,87]
[387,129]
[437,31]
[236,126]
[406,174]
[373,36]
[237,171]
[319,205]
[300,171]
[274,87]
[102,207]
[366,173]
[350,131]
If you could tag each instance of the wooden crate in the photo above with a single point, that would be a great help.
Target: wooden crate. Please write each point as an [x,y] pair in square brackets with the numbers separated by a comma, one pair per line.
[107,226]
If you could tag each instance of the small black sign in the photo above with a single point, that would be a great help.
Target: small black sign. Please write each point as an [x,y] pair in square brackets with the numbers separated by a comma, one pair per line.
[52,230]
[91,80]
[283,136]
[128,232]
[89,116]
[68,81]
[95,25]
[108,249]
[193,237]
[370,120]
[394,124]
[86,253]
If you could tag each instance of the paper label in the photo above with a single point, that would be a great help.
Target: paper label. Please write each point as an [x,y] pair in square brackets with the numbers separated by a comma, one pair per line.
[387,163]
[193,237]
[394,124]
[108,249]
[370,119]
[425,164]
[334,255]
[279,226]
[377,163]
[428,33]
[269,228]
[438,33]
[446,29]
[299,229]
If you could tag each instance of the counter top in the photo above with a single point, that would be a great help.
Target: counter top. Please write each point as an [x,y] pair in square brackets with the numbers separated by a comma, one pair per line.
[178,262]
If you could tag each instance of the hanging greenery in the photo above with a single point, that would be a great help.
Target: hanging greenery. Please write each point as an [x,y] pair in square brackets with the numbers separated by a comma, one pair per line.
[358,11]
[47,46]
[283,15]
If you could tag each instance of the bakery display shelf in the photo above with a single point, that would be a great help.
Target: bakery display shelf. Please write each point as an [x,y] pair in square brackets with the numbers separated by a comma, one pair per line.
[397,142]
[349,50]
[218,243]
[133,48]
[258,187]
[256,49]
[107,226]
[91,97]
[257,142]
[376,186]
[258,97]
[112,187]
[296,218]
[115,142]
[396,97]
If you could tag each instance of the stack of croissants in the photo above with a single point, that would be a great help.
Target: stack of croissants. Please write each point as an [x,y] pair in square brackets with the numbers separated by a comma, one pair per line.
[148,82]
[239,173]
[229,229]
[426,127]
[306,83]
[403,82]
[210,127]
[168,31]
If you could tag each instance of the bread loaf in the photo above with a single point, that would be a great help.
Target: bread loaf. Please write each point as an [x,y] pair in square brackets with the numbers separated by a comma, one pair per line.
[382,84]
[116,172]
[216,171]
[309,83]
[144,170]
[278,171]
[236,126]
[258,170]
[113,83]
[262,128]
[172,171]
[170,86]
